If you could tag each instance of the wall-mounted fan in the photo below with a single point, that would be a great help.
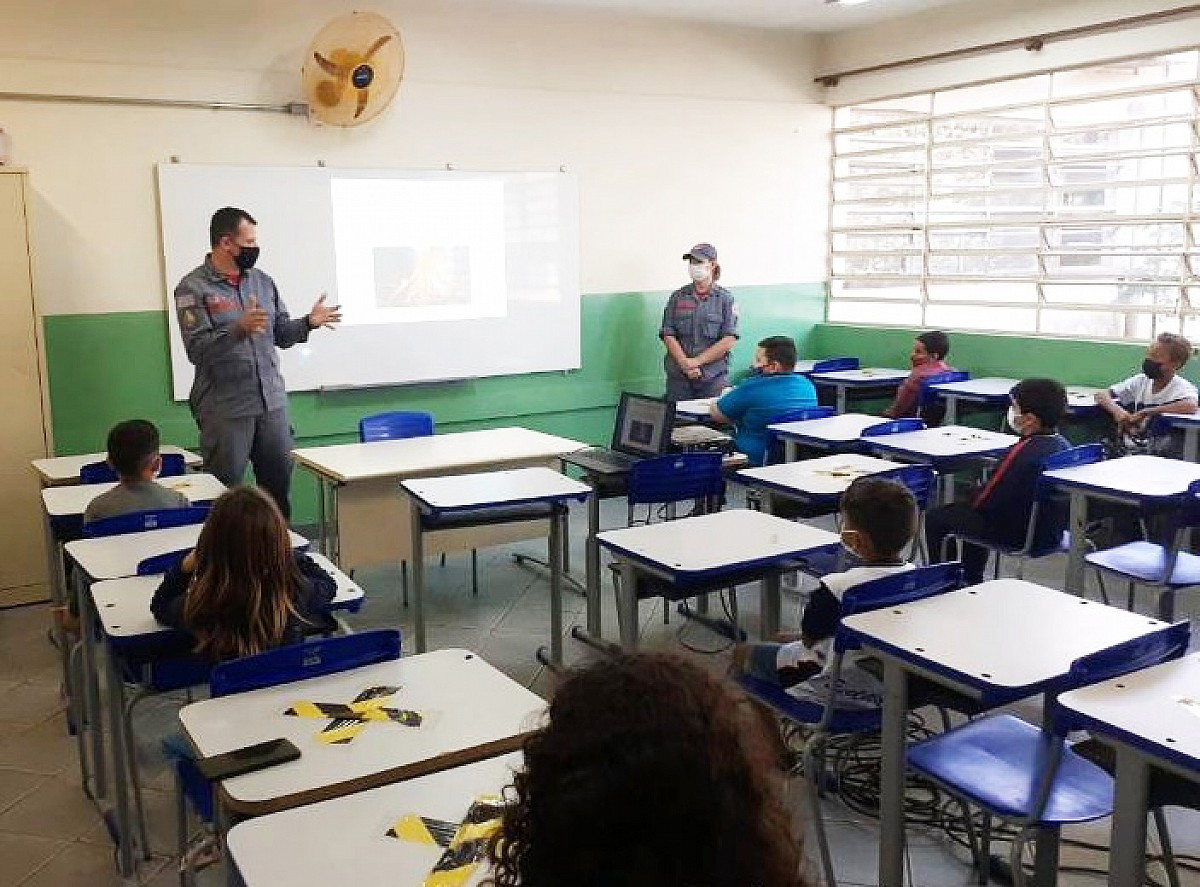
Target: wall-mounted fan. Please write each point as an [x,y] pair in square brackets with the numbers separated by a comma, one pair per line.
[353,69]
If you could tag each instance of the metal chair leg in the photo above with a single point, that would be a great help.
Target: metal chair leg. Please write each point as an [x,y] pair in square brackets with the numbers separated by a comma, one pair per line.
[474,573]
[812,777]
[404,582]
[1164,840]
[135,780]
[181,826]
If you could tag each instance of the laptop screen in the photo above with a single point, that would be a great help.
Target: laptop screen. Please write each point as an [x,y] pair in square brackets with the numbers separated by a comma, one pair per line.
[643,425]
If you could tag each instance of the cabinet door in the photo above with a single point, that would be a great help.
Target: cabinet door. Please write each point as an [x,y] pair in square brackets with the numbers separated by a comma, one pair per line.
[22,431]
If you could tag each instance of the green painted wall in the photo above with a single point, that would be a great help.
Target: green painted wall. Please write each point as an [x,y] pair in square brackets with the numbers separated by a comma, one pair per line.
[107,367]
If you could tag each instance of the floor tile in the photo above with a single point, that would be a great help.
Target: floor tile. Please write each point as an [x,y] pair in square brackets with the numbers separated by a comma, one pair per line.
[22,855]
[58,809]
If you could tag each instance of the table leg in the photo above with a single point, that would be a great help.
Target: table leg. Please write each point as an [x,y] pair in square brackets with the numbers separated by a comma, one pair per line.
[335,527]
[115,691]
[627,607]
[1191,443]
[1075,581]
[1127,858]
[951,416]
[592,566]
[891,800]
[417,563]
[770,605]
[322,518]
[841,399]
[791,450]
[90,717]
[555,553]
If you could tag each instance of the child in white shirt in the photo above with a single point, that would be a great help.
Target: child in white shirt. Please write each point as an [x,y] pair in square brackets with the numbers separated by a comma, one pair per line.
[1157,389]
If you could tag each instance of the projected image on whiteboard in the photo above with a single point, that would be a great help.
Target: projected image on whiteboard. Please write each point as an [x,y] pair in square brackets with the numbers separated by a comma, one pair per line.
[410,250]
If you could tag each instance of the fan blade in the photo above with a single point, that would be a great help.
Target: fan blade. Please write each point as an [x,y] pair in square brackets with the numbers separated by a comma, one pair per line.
[376,46]
[329,92]
[363,96]
[329,67]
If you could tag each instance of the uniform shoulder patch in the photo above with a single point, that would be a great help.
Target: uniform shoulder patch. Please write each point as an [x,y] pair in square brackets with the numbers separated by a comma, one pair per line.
[185,300]
[189,319]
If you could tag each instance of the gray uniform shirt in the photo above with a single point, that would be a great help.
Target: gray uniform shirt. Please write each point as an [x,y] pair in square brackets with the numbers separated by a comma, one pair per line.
[698,323]
[126,498]
[236,375]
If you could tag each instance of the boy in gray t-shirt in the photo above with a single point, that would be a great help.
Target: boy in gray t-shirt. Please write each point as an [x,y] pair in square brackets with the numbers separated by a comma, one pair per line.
[133,455]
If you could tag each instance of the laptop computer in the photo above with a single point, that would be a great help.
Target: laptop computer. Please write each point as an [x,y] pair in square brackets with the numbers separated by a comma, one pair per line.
[642,430]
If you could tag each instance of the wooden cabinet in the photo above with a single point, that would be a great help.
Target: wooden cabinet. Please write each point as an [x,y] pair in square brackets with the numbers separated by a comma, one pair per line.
[23,425]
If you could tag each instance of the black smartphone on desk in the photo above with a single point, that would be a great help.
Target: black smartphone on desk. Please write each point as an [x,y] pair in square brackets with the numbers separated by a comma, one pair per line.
[246,760]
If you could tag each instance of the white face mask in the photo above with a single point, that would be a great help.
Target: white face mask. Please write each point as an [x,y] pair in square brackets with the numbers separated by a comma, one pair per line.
[699,271]
[1014,419]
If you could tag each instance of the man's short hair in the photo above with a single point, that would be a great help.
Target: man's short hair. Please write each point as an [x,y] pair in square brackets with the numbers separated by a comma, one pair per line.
[132,446]
[882,510]
[780,349]
[936,342]
[225,222]
[1179,348]
[1045,398]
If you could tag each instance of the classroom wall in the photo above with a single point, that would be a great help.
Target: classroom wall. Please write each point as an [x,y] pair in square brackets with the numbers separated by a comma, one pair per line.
[677,132]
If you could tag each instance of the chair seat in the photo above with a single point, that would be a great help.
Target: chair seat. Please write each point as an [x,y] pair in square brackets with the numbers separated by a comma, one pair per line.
[1061,545]
[1147,562]
[805,711]
[499,514]
[989,762]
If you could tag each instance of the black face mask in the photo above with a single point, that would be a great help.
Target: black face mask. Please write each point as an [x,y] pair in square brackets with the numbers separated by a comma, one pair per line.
[1152,369]
[246,258]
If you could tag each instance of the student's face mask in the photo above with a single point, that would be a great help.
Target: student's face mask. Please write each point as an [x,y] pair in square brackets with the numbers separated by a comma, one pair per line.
[1152,369]
[1014,418]
[699,271]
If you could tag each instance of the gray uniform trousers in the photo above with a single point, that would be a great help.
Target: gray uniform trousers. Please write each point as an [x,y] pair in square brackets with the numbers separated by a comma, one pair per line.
[264,441]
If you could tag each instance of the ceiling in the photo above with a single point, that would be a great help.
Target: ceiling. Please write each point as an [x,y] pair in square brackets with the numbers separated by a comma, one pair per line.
[799,15]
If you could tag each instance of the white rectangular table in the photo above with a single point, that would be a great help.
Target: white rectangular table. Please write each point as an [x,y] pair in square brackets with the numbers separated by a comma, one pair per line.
[470,711]
[701,552]
[994,391]
[820,481]
[493,497]
[946,448]
[364,521]
[1139,480]
[999,641]
[59,470]
[326,840]
[867,378]
[1189,424]
[834,433]
[1152,719]
[696,409]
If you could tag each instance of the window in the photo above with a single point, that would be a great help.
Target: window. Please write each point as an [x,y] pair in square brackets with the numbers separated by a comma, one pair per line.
[1063,203]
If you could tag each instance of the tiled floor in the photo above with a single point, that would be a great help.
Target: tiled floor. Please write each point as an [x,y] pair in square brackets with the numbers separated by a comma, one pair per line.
[51,836]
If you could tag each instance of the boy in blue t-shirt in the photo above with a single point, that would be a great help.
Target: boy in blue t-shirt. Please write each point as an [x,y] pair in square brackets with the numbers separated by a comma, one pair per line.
[772,389]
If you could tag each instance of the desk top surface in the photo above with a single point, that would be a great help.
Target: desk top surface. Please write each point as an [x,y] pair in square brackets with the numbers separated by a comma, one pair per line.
[826,476]
[1149,477]
[433,453]
[65,469]
[1156,710]
[1182,420]
[516,486]
[946,442]
[1007,634]
[115,557]
[696,408]
[997,388]
[862,376]
[716,542]
[470,711]
[842,428]
[124,604]
[359,823]
[68,501]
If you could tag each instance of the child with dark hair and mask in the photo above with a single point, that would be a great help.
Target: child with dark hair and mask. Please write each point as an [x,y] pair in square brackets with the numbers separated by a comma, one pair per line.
[1156,389]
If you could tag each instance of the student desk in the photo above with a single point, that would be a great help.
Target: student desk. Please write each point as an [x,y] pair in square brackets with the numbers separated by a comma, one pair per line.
[945,448]
[707,551]
[1189,424]
[329,840]
[879,379]
[126,623]
[364,520]
[1150,719]
[1138,480]
[471,712]
[999,641]
[835,433]
[58,471]
[814,481]
[471,500]
[695,410]
[994,391]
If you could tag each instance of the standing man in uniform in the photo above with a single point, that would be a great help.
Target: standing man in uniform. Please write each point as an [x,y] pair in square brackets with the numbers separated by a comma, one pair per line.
[232,320]
[699,328]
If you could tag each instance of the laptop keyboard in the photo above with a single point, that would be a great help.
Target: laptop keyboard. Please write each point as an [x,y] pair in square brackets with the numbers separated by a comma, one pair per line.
[606,458]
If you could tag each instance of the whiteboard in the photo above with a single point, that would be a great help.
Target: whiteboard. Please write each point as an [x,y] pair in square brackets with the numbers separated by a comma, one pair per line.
[441,275]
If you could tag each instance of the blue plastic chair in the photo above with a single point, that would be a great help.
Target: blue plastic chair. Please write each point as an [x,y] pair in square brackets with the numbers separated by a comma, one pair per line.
[1164,570]
[803,414]
[1028,775]
[141,521]
[394,426]
[827,717]
[833,364]
[929,406]
[1047,494]
[101,472]
[312,659]
[893,426]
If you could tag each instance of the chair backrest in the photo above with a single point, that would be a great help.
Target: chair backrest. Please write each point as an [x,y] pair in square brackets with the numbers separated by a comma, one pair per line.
[140,521]
[895,426]
[902,588]
[803,414]
[676,478]
[921,481]
[930,407]
[833,364]
[394,426]
[313,658]
[160,563]
[1081,455]
[102,473]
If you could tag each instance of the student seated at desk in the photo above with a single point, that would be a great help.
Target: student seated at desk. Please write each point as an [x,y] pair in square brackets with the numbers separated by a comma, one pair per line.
[772,389]
[1156,389]
[243,589]
[928,358]
[133,455]
[650,772]
[1000,510]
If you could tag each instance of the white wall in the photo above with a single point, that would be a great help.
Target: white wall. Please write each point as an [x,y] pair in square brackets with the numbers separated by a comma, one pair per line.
[678,133]
[977,22]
